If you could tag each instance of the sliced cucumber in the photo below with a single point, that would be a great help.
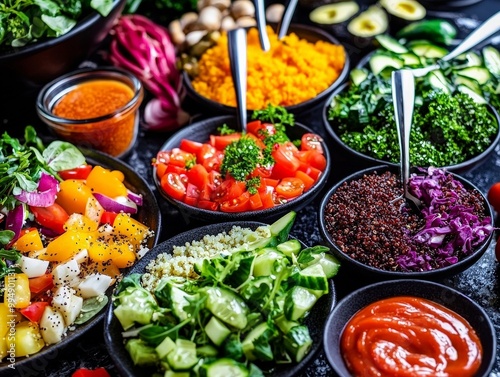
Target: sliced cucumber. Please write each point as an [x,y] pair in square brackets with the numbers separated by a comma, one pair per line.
[426,49]
[183,356]
[178,300]
[281,227]
[227,306]
[290,247]
[261,243]
[390,44]
[380,60]
[261,334]
[468,82]
[410,59]
[298,342]
[216,331]
[298,302]
[478,98]
[437,80]
[312,277]
[207,351]
[481,74]
[165,347]
[269,263]
[223,367]
[330,265]
[358,75]
[491,58]
[284,324]
[171,373]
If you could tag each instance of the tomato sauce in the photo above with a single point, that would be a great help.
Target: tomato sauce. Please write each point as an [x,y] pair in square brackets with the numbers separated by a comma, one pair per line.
[410,336]
[93,99]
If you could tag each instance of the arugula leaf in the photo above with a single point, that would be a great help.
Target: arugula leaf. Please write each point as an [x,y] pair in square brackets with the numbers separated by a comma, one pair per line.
[61,155]
[90,308]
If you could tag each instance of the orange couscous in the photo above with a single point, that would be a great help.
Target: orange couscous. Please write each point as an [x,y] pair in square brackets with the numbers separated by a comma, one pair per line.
[293,71]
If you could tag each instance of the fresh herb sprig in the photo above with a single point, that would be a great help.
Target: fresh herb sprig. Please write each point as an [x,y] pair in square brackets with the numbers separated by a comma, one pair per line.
[12,255]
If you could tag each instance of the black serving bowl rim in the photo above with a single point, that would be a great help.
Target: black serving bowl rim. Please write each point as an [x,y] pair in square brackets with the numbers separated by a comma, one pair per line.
[437,273]
[360,298]
[205,215]
[461,167]
[32,48]
[112,328]
[297,108]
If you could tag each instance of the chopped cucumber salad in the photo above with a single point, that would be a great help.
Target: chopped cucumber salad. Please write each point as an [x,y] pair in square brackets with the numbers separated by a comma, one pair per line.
[244,314]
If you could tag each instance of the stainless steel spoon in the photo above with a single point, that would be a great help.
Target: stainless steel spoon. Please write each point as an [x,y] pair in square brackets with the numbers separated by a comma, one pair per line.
[286,19]
[484,31]
[403,97]
[260,16]
[237,46]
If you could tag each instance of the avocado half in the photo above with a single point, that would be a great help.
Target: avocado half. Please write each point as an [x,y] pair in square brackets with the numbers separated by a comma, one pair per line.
[373,21]
[409,10]
[335,13]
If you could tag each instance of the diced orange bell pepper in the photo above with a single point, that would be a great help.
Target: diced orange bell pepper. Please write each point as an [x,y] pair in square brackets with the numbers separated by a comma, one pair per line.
[122,255]
[67,244]
[106,268]
[99,251]
[80,223]
[73,196]
[30,241]
[118,174]
[17,290]
[130,228]
[103,181]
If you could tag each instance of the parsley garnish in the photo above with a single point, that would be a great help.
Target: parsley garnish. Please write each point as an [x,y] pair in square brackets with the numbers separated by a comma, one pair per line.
[276,115]
[241,157]
[225,130]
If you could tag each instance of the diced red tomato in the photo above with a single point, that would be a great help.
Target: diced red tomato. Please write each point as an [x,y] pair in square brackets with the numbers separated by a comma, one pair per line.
[161,168]
[34,311]
[214,162]
[80,172]
[266,197]
[262,172]
[306,179]
[84,372]
[255,201]
[207,204]
[310,141]
[238,204]
[163,157]
[286,164]
[206,152]
[108,217]
[290,187]
[228,190]
[52,217]
[176,169]
[316,160]
[260,129]
[173,185]
[41,283]
[190,146]
[178,157]
[222,141]
[198,175]
[192,195]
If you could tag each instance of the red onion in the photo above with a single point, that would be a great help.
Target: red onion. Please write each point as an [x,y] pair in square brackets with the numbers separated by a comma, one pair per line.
[117,205]
[136,198]
[45,195]
[15,220]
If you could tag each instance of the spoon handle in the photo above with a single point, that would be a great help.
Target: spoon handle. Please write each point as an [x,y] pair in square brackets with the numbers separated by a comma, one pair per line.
[287,18]
[260,16]
[403,97]
[237,46]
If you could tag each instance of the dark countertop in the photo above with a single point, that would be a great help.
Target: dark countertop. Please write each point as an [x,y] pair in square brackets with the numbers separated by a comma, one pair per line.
[481,282]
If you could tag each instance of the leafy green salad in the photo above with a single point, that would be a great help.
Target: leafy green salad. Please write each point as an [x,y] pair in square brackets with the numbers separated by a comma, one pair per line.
[243,315]
[27,21]
[452,122]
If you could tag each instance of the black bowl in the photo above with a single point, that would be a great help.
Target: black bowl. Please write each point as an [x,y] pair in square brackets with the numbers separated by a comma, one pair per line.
[373,273]
[315,321]
[38,63]
[441,294]
[148,214]
[306,32]
[200,131]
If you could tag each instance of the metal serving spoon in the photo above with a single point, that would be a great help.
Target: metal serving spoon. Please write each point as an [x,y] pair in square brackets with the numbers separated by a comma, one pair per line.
[484,31]
[403,97]
[237,45]
[286,19]
[260,16]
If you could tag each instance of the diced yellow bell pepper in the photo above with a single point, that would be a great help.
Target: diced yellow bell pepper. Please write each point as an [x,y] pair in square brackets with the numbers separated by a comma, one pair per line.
[107,268]
[3,347]
[73,195]
[99,251]
[103,181]
[80,223]
[28,242]
[67,245]
[119,175]
[28,340]
[4,317]
[122,254]
[17,290]
[130,228]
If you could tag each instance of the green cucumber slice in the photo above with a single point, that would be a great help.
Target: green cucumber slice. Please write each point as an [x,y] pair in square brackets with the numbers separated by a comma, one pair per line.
[381,60]
[227,306]
[390,44]
[298,302]
[281,227]
[481,74]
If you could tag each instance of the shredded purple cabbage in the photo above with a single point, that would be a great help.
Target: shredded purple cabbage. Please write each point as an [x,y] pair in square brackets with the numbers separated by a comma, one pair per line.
[451,228]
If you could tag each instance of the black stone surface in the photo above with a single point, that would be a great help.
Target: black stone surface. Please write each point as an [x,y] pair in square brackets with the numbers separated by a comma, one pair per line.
[481,282]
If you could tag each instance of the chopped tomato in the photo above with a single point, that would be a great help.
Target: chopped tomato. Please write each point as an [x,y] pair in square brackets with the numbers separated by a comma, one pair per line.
[206,152]
[255,201]
[41,283]
[261,172]
[222,141]
[310,141]
[290,187]
[286,164]
[198,175]
[34,311]
[494,196]
[84,372]
[178,157]
[260,129]
[161,168]
[192,195]
[176,169]
[173,185]
[207,204]
[190,146]
[52,217]
[266,197]
[80,172]
[306,179]
[108,217]
[238,204]
[316,160]
[228,190]
[162,157]
[214,162]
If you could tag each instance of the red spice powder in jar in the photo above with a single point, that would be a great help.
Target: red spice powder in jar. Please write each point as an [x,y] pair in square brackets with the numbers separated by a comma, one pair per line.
[409,337]
[93,99]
